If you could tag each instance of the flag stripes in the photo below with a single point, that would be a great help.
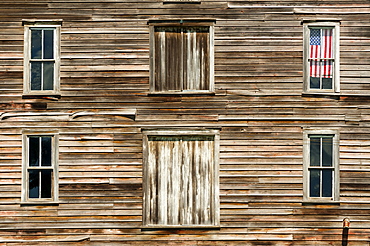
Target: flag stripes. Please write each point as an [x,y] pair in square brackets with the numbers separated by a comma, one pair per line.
[321,53]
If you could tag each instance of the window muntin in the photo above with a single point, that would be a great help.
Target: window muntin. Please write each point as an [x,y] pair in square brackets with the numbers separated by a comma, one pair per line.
[40,168]
[180,180]
[321,166]
[321,57]
[182,59]
[41,59]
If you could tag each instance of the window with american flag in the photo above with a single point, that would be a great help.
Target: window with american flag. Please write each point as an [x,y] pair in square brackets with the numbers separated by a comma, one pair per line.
[321,57]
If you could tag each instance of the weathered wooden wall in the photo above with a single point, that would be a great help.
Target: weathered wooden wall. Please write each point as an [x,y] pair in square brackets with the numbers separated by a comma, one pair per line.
[258,104]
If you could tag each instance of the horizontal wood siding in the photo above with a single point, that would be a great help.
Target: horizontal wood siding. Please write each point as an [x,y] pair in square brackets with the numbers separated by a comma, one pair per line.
[258,106]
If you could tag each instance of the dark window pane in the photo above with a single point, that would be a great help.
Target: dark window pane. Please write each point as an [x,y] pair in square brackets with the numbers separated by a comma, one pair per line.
[315,151]
[314,83]
[36,38]
[36,75]
[327,152]
[34,183]
[327,83]
[46,183]
[46,151]
[314,183]
[48,44]
[327,183]
[327,72]
[48,76]
[34,150]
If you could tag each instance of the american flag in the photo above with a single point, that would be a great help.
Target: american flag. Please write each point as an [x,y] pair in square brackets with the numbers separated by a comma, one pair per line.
[321,47]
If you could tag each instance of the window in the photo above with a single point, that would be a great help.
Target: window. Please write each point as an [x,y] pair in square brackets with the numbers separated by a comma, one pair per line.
[181,58]
[321,165]
[321,57]
[40,170]
[41,58]
[181,178]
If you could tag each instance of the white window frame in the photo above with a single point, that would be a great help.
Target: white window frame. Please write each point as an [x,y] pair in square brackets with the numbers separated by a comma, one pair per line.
[306,64]
[41,24]
[306,165]
[54,166]
[146,182]
[181,23]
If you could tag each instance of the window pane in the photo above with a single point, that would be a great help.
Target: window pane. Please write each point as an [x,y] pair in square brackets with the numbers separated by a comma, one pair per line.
[48,44]
[315,54]
[327,152]
[327,43]
[327,183]
[36,75]
[327,83]
[48,76]
[46,151]
[34,150]
[34,183]
[36,38]
[327,74]
[46,183]
[314,183]
[314,83]
[315,42]
[315,151]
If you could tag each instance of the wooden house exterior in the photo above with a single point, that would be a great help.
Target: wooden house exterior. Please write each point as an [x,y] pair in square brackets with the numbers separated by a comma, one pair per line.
[184,122]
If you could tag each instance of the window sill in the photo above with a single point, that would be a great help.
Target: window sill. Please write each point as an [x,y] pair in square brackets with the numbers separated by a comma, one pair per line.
[321,202]
[182,93]
[181,2]
[48,96]
[334,94]
[177,227]
[40,203]
[321,94]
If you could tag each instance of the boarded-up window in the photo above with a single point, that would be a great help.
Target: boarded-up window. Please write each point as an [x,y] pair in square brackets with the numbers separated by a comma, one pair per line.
[181,59]
[180,181]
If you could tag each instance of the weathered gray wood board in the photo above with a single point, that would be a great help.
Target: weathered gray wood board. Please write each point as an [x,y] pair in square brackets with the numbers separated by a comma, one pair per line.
[258,106]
